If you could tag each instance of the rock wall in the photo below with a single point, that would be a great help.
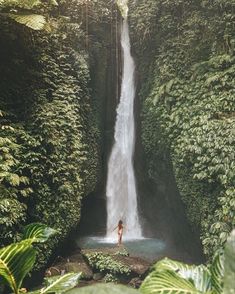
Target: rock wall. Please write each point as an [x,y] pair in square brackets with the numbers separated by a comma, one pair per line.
[52,101]
[185,57]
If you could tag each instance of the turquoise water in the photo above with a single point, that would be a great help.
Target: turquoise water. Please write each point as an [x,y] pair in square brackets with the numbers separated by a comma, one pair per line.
[150,249]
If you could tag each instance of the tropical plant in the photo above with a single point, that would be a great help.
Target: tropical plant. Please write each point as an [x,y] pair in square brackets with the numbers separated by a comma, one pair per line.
[23,12]
[16,260]
[169,276]
[59,284]
[106,263]
[188,105]
[104,289]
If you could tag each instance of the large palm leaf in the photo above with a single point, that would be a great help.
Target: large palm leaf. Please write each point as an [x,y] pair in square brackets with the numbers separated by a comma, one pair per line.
[59,284]
[16,261]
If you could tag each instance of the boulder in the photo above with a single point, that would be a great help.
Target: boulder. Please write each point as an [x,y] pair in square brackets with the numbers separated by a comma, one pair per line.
[77,267]
[98,276]
[135,283]
[138,266]
[74,263]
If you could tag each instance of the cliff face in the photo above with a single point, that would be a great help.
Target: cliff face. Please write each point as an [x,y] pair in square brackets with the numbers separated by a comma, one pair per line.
[185,56]
[51,120]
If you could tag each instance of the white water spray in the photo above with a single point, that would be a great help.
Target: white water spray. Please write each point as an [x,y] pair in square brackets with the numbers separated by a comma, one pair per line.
[121,188]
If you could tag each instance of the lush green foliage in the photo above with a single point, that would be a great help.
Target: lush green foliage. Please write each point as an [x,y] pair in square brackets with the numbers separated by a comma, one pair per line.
[188,104]
[24,12]
[48,130]
[170,276]
[50,120]
[16,260]
[59,284]
[106,263]
[104,289]
[167,276]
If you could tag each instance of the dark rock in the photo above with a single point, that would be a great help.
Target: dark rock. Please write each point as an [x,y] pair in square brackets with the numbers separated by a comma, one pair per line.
[77,267]
[135,282]
[98,276]
[74,263]
[138,266]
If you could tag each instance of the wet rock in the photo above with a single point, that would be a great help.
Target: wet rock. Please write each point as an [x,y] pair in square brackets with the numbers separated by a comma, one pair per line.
[53,271]
[74,263]
[98,276]
[77,267]
[137,266]
[135,282]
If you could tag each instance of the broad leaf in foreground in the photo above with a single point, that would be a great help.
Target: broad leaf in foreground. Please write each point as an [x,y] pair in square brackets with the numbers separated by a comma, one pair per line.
[59,284]
[167,282]
[199,275]
[217,272]
[16,261]
[38,232]
[104,289]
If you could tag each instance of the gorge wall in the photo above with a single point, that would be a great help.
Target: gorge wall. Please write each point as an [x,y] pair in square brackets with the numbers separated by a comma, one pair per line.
[185,57]
[52,101]
[58,95]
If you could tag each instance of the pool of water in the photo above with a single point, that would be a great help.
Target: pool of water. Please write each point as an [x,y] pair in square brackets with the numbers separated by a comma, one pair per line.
[148,248]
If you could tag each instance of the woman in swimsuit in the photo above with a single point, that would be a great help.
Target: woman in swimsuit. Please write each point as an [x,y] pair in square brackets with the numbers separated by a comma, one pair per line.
[120,232]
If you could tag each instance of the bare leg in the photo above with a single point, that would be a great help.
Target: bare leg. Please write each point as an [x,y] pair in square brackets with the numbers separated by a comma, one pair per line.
[119,239]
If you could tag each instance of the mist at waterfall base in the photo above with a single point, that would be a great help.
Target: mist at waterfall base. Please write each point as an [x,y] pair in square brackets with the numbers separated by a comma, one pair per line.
[164,230]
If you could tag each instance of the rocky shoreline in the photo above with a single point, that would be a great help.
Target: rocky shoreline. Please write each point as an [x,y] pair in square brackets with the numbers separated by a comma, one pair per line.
[103,265]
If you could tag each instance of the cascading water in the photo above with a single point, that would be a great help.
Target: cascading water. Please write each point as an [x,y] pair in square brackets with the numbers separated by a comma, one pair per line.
[121,188]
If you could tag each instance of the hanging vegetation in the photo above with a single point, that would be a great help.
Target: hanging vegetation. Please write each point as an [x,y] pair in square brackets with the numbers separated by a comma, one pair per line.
[188,104]
[49,123]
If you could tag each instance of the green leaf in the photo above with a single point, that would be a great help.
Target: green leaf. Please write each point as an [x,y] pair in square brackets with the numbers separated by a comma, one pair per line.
[34,21]
[200,275]
[16,261]
[38,232]
[217,272]
[167,282]
[59,284]
[14,180]
[104,289]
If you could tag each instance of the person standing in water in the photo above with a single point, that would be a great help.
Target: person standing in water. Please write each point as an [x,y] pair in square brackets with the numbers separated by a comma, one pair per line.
[120,231]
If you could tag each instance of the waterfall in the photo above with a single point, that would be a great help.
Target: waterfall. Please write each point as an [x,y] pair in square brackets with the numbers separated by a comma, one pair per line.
[121,187]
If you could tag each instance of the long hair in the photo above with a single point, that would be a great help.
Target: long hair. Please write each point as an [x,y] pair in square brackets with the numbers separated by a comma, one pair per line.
[120,222]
